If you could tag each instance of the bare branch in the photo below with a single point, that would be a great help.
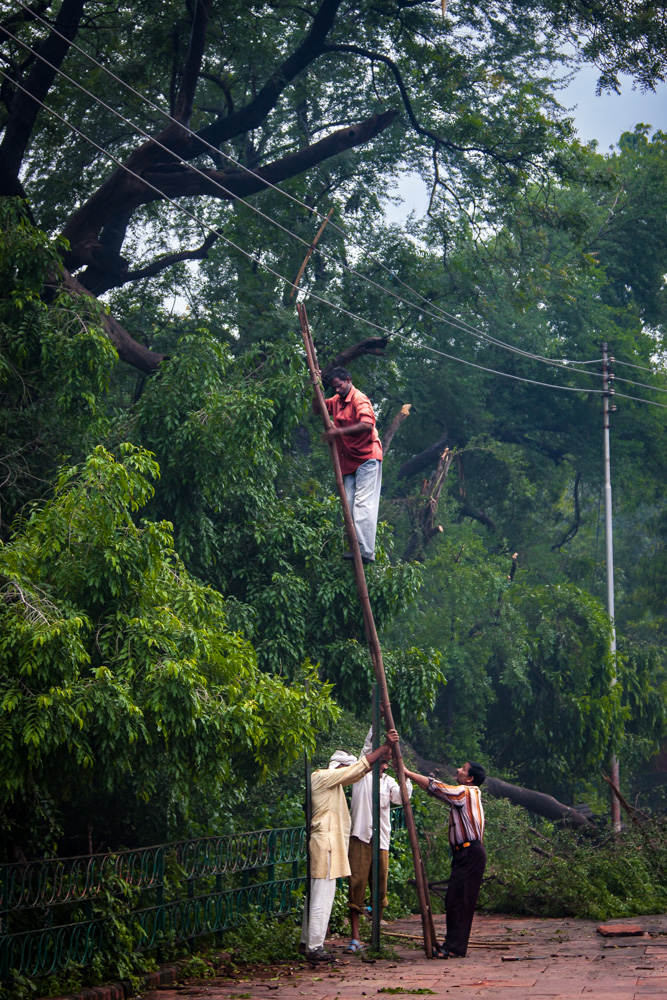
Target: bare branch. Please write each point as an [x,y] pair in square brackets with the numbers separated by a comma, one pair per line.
[393,427]
[24,109]
[161,263]
[193,59]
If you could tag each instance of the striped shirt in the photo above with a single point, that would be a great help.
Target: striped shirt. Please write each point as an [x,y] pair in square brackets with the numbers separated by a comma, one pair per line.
[466,817]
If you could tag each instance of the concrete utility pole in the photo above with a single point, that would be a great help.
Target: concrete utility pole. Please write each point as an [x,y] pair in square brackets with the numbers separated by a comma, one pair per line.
[608,393]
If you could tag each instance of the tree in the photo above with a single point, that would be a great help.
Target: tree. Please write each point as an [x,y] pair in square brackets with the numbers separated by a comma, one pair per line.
[122,689]
[456,86]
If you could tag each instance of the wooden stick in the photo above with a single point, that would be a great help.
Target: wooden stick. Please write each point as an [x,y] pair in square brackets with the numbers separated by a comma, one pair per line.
[310,250]
[505,946]
[633,813]
[393,427]
[372,638]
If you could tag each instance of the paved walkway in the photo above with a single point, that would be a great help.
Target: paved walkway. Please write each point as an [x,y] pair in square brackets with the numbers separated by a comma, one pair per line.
[509,958]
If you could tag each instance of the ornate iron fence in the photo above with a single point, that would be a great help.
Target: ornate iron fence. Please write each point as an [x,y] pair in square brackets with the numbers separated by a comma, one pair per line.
[59,913]
[62,913]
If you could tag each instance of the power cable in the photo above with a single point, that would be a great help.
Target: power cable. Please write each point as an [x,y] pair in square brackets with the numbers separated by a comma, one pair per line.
[644,385]
[376,326]
[442,314]
[517,378]
[642,368]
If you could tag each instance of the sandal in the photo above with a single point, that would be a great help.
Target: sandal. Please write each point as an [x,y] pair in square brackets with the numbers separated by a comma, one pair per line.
[355,946]
[439,951]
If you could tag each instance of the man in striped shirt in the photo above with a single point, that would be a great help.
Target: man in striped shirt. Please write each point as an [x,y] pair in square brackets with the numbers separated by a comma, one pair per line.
[466,833]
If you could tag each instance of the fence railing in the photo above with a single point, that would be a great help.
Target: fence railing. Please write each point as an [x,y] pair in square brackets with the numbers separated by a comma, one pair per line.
[65,911]
[61,913]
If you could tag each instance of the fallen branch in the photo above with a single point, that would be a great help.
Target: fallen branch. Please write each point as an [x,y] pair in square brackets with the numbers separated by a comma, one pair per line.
[535,802]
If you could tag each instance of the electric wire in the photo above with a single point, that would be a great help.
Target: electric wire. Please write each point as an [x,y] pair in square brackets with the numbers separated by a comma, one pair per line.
[549,385]
[644,385]
[642,368]
[455,321]
[361,319]
[442,314]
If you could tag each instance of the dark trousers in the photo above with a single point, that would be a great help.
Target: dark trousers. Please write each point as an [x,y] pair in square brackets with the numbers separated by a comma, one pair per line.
[468,866]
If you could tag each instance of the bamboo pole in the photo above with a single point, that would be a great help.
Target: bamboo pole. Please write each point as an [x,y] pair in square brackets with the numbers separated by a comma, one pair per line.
[310,250]
[373,641]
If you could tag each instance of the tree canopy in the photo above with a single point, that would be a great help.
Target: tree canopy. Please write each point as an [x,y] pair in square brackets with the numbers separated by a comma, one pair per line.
[171,573]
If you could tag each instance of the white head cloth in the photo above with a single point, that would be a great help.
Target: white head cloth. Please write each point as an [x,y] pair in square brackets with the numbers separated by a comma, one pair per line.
[341,757]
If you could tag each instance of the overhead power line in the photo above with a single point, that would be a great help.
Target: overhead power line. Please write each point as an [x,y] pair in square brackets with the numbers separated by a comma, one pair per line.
[440,314]
[253,257]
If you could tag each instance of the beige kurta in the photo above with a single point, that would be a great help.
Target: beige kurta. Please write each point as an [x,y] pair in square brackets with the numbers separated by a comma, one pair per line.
[330,825]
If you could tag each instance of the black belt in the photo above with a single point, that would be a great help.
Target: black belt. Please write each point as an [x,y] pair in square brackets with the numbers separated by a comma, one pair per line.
[459,847]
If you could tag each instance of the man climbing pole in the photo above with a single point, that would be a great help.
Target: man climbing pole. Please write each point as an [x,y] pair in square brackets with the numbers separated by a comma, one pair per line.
[360,455]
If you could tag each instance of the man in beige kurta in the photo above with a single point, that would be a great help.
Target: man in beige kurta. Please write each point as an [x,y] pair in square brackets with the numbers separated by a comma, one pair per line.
[329,838]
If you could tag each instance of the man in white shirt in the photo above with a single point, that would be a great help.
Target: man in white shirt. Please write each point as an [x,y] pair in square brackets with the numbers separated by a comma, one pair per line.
[361,840]
[329,836]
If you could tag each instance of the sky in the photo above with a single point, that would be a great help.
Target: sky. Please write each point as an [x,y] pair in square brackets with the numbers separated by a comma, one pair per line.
[602,118]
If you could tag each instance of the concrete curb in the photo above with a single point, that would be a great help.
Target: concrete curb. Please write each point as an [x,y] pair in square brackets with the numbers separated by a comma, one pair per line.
[165,976]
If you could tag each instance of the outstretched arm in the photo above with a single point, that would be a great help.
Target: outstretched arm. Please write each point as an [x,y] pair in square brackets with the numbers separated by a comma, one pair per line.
[419,779]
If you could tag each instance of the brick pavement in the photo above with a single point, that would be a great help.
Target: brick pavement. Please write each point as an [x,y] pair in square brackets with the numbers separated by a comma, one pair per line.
[510,958]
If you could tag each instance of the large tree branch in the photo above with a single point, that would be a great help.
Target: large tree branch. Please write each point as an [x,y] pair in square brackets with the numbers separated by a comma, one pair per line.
[422,461]
[467,510]
[193,60]
[128,348]
[373,345]
[536,802]
[254,113]
[161,263]
[180,181]
[123,193]
[24,109]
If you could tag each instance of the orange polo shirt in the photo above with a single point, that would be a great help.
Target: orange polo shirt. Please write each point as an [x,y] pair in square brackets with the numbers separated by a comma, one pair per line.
[354,449]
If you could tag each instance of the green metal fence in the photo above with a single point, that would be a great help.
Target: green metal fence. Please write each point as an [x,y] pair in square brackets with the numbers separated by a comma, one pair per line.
[61,913]
[54,914]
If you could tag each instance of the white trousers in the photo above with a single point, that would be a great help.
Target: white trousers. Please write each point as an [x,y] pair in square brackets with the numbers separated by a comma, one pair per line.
[314,924]
[362,489]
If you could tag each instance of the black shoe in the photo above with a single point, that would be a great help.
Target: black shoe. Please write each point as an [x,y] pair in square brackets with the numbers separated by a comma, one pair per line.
[302,948]
[367,559]
[348,555]
[439,951]
[319,955]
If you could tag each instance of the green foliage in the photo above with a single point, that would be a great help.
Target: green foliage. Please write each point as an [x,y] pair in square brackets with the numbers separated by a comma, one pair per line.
[561,873]
[119,677]
[533,869]
[262,940]
[553,672]
[55,364]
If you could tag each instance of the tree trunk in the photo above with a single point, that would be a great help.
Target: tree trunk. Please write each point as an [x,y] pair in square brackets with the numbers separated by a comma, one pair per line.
[536,802]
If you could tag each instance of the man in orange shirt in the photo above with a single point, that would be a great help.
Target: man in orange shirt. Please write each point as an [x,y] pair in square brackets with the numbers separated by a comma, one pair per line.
[360,454]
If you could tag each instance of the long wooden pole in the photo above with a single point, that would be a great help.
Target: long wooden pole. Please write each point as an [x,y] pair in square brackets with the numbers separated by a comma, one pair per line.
[373,641]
